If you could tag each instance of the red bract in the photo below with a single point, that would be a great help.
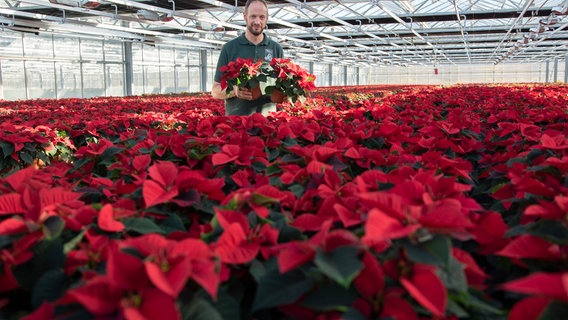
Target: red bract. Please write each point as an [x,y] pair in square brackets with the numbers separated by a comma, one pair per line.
[424,285]
[203,264]
[89,254]
[556,210]
[107,221]
[295,253]
[529,308]
[20,253]
[557,142]
[102,297]
[243,156]
[162,187]
[381,228]
[370,282]
[532,247]
[35,202]
[550,285]
[169,264]
[239,243]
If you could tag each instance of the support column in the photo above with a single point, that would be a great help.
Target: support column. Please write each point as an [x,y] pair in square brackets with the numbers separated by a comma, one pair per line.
[345,79]
[330,75]
[566,68]
[555,75]
[203,71]
[128,68]
[1,83]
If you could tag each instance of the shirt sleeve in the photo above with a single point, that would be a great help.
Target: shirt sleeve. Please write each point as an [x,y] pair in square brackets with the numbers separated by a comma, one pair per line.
[223,60]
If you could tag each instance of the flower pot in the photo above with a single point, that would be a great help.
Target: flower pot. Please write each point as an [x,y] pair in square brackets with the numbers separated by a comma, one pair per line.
[277,96]
[256,92]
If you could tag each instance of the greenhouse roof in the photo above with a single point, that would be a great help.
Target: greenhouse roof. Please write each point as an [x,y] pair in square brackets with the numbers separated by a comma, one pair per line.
[397,32]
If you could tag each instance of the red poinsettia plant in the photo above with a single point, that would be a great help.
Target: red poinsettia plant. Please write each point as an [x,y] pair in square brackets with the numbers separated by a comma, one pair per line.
[242,73]
[291,79]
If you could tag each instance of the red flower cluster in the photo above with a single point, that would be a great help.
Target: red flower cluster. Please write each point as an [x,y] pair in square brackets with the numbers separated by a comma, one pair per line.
[293,80]
[289,78]
[242,73]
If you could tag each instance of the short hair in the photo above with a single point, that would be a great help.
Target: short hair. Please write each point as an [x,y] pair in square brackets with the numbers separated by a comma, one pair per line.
[247,4]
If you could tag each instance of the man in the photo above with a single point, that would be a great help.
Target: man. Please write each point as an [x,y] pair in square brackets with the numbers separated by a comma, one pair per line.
[253,43]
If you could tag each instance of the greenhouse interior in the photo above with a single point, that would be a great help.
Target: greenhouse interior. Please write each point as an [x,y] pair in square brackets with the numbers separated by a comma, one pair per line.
[88,48]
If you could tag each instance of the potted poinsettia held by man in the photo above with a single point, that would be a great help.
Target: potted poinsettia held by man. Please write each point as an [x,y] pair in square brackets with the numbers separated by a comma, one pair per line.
[291,81]
[244,74]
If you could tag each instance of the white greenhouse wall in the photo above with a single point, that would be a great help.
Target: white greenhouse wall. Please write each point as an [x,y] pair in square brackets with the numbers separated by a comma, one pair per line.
[48,66]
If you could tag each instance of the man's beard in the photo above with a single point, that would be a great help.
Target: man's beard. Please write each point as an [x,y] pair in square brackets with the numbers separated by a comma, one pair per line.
[253,31]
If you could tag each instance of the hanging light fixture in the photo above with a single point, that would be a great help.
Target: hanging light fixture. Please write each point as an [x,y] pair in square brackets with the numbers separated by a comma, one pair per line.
[89,4]
[551,20]
[560,10]
[152,15]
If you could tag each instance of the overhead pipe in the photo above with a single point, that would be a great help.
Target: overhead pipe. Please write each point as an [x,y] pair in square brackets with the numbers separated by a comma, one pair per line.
[404,23]
[4,22]
[525,9]
[339,21]
[544,24]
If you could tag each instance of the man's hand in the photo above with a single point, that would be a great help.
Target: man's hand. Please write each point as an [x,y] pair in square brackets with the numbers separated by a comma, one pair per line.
[245,93]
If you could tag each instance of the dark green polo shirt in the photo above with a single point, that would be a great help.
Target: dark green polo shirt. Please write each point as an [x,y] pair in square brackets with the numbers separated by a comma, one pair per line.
[240,47]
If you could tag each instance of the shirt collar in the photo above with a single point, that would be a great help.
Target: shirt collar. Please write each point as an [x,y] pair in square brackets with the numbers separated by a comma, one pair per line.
[243,40]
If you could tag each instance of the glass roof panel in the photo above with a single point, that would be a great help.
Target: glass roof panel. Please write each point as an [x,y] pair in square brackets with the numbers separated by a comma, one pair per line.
[405,32]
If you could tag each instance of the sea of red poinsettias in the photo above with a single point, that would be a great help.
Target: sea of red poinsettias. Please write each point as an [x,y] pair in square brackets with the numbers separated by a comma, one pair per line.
[400,202]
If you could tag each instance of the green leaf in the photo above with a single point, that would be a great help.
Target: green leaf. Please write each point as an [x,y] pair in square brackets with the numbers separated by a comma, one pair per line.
[71,244]
[518,230]
[456,310]
[473,303]
[273,168]
[329,297]
[353,314]
[5,241]
[258,166]
[26,157]
[141,225]
[173,223]
[77,164]
[7,148]
[453,276]
[286,232]
[257,270]
[47,255]
[436,251]
[275,289]
[53,226]
[50,287]
[341,265]
[273,171]
[107,157]
[297,190]
[289,142]
[227,305]
[200,309]
[554,311]
[550,230]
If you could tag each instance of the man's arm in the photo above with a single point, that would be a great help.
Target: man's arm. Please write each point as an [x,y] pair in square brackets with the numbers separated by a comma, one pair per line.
[219,93]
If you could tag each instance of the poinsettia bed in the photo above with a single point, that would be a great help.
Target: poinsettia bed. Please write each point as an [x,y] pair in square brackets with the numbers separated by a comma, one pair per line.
[368,202]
